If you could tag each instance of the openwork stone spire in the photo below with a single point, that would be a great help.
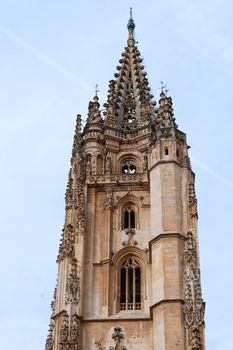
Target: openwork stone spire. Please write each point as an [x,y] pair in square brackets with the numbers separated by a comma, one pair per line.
[130,102]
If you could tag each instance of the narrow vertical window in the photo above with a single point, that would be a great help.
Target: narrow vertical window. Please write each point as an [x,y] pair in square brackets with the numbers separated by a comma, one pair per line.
[126,219]
[138,288]
[129,220]
[130,289]
[132,219]
[123,288]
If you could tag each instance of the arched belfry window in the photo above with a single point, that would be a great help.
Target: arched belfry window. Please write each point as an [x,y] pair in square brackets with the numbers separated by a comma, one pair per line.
[128,167]
[129,217]
[130,288]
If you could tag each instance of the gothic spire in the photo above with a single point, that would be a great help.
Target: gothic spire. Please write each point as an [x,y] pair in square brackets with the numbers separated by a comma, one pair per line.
[165,115]
[94,119]
[130,102]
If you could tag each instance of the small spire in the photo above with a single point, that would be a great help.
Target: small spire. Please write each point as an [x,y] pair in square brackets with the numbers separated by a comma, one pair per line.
[131,24]
[96,90]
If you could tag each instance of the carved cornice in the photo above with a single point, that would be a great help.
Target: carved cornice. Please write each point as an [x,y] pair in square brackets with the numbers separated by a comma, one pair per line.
[117,178]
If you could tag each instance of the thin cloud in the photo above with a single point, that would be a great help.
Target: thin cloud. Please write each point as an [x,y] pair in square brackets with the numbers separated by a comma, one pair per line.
[212,172]
[53,64]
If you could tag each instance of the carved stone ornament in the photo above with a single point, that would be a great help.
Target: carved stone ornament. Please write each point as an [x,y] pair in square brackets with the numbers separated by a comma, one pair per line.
[108,201]
[75,333]
[77,139]
[88,167]
[186,162]
[64,333]
[93,111]
[81,208]
[50,340]
[130,232]
[118,337]
[190,249]
[67,242]
[69,191]
[108,166]
[194,307]
[53,301]
[195,340]
[165,117]
[192,202]
[73,284]
[69,334]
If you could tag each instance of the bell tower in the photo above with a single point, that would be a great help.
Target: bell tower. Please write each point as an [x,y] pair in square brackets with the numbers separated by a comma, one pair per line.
[128,262]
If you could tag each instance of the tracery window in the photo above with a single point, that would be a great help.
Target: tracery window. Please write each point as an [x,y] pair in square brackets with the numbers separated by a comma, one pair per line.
[130,289]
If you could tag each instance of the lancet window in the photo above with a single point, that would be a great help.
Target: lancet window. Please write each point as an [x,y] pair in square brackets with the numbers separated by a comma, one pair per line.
[129,219]
[130,289]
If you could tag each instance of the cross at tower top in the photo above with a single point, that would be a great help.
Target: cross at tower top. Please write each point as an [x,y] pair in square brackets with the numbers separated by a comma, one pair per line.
[131,24]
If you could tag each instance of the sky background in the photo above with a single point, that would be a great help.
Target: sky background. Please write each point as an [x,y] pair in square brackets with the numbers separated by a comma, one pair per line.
[52,54]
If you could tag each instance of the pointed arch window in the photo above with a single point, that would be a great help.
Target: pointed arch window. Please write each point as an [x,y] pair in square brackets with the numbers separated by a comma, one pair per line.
[130,289]
[129,217]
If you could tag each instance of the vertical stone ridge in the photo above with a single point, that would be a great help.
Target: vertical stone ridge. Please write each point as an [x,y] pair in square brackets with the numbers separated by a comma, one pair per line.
[69,336]
[194,307]
[66,335]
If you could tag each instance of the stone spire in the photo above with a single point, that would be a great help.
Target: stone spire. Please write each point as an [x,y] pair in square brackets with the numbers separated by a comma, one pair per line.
[130,102]
[165,116]
[94,120]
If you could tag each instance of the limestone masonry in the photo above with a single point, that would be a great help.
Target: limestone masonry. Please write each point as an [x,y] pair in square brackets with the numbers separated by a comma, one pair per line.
[128,262]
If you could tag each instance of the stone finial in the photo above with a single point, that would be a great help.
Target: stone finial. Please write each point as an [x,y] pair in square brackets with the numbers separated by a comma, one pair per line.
[131,24]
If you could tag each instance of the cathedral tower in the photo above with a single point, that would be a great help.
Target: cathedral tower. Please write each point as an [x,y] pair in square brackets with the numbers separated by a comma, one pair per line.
[128,262]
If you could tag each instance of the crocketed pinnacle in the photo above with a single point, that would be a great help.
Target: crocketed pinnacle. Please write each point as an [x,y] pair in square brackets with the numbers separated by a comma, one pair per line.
[165,115]
[77,139]
[129,102]
[94,120]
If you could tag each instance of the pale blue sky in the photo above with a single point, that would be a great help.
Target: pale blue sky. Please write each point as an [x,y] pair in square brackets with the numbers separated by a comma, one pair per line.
[52,55]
